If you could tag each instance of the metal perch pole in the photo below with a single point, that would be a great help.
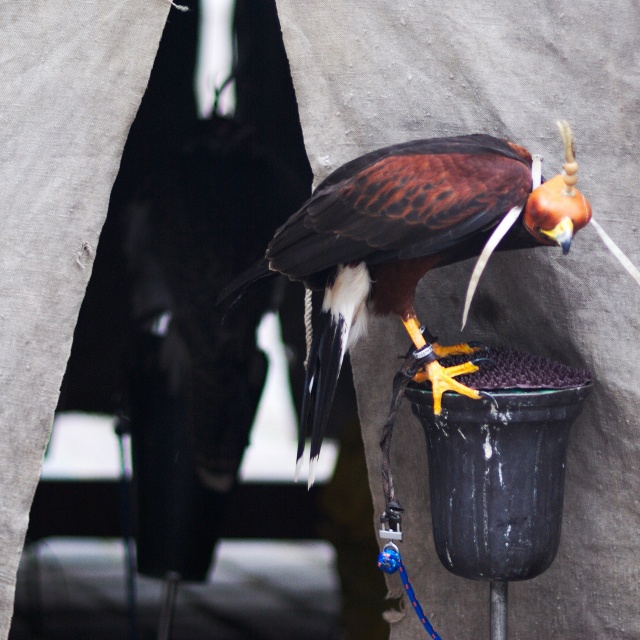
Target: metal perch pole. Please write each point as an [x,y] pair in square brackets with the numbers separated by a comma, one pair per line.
[499,590]
[171,582]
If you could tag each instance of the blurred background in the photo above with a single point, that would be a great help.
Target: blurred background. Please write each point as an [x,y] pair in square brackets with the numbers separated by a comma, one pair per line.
[167,507]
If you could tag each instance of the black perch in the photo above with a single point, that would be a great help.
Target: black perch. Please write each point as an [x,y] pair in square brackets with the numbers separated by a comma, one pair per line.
[497,469]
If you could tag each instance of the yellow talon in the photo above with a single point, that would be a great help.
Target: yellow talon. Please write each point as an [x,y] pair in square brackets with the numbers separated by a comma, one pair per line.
[461,369]
[457,370]
[442,379]
[462,349]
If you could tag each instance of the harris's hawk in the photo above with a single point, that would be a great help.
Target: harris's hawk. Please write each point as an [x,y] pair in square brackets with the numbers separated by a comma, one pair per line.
[376,225]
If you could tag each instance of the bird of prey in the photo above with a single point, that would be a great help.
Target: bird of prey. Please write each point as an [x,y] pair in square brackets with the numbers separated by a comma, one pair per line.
[376,225]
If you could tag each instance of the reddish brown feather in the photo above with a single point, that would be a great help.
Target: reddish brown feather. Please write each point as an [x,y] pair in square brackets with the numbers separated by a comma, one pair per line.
[394,284]
[437,191]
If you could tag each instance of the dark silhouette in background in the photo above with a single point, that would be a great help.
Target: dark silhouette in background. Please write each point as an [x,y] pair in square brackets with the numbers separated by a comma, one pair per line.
[194,204]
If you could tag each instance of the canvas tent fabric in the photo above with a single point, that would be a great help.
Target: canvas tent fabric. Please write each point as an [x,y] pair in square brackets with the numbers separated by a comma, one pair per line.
[73,76]
[373,73]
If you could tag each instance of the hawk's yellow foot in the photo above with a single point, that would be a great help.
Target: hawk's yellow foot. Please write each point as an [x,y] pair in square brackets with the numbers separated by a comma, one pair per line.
[442,379]
[462,349]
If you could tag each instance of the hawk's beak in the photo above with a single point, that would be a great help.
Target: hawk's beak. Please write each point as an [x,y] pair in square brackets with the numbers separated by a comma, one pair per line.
[561,234]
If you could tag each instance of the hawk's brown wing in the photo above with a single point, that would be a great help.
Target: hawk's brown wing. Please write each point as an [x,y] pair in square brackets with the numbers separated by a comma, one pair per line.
[409,200]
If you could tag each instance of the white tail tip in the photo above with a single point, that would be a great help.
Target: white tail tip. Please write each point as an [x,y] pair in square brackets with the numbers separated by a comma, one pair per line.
[313,462]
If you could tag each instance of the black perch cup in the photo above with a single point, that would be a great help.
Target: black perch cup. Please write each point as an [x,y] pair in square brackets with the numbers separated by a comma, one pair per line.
[497,466]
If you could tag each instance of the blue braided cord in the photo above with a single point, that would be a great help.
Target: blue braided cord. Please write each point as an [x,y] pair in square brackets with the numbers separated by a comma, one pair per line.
[390,561]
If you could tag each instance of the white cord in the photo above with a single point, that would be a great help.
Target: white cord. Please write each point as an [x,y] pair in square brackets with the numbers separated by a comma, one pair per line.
[308,327]
[617,252]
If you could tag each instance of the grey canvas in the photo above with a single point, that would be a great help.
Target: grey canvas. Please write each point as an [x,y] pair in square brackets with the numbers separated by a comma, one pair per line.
[73,75]
[373,73]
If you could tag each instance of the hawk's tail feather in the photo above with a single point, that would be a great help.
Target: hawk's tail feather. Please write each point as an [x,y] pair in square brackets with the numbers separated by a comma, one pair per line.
[238,285]
[323,368]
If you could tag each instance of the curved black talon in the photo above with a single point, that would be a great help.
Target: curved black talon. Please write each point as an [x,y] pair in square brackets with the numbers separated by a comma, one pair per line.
[476,344]
[487,396]
[478,360]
